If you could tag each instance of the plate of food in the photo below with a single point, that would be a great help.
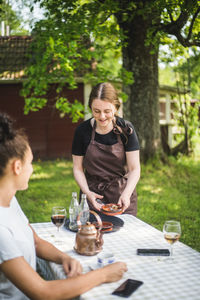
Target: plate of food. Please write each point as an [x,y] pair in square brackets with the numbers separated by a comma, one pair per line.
[106,226]
[114,220]
[111,209]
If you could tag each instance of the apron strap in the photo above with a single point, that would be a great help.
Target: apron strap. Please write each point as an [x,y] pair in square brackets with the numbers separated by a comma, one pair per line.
[93,131]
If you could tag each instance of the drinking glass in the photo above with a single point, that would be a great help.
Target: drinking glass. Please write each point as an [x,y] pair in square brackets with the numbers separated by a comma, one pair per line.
[58,216]
[172,233]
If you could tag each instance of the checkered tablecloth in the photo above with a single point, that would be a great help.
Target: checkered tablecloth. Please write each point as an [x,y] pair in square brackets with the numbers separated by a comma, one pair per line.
[179,280]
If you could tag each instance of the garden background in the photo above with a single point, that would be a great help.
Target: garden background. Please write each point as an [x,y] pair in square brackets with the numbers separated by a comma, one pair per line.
[166,191]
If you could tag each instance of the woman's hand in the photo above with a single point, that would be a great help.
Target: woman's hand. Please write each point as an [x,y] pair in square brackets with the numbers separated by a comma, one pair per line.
[47,251]
[114,271]
[124,201]
[71,266]
[133,163]
[92,197]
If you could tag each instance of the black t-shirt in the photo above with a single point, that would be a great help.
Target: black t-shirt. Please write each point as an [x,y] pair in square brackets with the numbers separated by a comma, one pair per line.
[83,134]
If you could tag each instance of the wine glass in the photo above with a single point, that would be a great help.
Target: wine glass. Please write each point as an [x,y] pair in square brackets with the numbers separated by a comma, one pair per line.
[172,233]
[58,216]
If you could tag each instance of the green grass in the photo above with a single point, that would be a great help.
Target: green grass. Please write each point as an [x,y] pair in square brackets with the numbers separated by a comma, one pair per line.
[165,191]
[51,184]
[172,191]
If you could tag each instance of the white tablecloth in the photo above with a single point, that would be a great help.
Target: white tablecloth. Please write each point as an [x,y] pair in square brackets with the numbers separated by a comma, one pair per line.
[179,280]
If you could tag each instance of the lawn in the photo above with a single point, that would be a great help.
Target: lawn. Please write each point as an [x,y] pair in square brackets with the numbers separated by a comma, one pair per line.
[165,191]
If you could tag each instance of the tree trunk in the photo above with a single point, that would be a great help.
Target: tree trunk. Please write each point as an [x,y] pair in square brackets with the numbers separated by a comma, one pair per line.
[142,106]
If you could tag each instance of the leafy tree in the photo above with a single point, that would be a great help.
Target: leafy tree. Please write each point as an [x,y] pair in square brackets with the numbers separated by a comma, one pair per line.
[11,19]
[71,41]
[186,118]
[185,73]
[180,67]
[188,73]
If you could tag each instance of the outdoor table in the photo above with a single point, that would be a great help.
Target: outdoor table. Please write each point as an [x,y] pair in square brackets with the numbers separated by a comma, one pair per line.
[163,280]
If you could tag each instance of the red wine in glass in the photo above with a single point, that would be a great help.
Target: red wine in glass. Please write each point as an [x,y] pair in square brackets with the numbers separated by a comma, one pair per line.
[58,216]
[58,220]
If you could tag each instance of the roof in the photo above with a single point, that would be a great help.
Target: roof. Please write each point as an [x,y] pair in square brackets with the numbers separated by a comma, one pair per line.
[13,56]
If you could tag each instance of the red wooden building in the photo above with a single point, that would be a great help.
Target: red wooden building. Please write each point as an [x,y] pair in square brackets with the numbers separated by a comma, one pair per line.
[50,135]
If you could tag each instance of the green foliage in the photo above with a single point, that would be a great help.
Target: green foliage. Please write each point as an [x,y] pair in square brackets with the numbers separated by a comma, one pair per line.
[64,49]
[184,73]
[75,110]
[11,18]
[85,39]
[188,72]
[34,104]
[167,76]
[165,191]
[183,64]
[186,118]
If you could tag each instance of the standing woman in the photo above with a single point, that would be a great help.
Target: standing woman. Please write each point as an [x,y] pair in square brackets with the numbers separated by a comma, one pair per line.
[19,244]
[105,153]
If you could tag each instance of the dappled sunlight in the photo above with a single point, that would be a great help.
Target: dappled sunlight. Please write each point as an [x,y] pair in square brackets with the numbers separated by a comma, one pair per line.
[176,206]
[147,188]
[154,200]
[63,164]
[150,188]
[156,190]
[67,172]
[42,176]
[37,167]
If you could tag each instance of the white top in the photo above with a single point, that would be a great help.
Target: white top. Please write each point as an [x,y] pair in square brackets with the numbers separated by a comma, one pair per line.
[16,239]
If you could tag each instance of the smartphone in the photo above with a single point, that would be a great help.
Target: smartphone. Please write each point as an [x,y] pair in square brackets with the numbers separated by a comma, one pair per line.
[127,288]
[153,252]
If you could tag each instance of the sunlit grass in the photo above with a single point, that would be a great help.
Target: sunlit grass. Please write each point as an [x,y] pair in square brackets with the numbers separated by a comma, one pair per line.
[172,191]
[41,176]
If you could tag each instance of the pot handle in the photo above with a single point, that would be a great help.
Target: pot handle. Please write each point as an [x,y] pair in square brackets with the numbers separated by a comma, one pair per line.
[98,219]
[96,216]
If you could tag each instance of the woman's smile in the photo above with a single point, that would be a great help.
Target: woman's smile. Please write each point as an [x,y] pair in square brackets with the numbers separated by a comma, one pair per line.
[103,112]
[102,121]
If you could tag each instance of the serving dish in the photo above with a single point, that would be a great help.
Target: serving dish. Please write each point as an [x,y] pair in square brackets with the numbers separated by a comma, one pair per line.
[106,226]
[111,209]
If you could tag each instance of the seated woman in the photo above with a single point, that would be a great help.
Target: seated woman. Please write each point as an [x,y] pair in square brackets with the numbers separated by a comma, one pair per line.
[19,244]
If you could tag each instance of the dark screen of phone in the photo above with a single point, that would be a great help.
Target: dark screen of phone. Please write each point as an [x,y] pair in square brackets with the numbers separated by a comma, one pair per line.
[127,288]
[152,252]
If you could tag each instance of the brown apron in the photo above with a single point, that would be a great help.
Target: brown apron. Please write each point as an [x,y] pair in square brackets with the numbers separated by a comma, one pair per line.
[105,171]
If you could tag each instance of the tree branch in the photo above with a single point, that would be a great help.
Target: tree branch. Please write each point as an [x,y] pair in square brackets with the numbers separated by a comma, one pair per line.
[192,23]
[170,15]
[175,27]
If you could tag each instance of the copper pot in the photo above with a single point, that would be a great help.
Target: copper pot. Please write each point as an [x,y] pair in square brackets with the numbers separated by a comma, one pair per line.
[89,240]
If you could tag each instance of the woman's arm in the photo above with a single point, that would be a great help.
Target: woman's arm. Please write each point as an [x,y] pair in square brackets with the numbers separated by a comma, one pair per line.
[20,273]
[82,182]
[47,251]
[133,163]
[79,173]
